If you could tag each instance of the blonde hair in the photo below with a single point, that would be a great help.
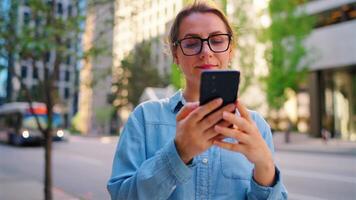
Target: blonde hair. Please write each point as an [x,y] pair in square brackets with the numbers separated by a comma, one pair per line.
[197,7]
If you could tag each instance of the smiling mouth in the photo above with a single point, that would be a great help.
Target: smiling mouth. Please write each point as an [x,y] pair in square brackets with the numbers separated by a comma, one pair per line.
[207,66]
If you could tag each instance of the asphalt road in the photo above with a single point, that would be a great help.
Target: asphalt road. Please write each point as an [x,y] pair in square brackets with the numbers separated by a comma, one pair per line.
[82,166]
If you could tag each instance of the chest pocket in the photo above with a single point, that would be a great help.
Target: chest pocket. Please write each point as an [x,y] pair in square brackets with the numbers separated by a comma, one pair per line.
[235,165]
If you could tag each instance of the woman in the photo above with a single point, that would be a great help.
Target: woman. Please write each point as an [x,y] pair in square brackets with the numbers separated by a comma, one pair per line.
[176,149]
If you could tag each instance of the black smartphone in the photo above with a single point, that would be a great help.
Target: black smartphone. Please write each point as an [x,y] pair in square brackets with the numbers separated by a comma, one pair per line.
[219,83]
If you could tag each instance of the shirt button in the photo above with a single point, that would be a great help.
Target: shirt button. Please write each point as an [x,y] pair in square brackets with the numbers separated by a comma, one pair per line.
[205,160]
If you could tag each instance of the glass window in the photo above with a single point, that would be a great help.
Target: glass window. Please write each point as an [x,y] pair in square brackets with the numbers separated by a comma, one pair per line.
[48,56]
[26,18]
[59,8]
[67,76]
[68,60]
[70,10]
[35,73]
[66,93]
[23,71]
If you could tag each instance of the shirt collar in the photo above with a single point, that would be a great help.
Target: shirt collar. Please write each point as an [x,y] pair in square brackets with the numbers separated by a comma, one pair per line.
[177,101]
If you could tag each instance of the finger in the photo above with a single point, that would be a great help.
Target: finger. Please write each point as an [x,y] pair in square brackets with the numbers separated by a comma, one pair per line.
[218,137]
[215,117]
[210,133]
[229,146]
[241,123]
[232,133]
[202,111]
[224,123]
[243,111]
[187,108]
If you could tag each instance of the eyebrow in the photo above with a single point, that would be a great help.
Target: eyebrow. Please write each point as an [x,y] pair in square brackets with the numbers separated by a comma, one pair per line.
[197,35]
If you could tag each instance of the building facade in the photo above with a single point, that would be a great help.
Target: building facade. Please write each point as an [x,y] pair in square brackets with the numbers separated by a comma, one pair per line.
[94,109]
[333,73]
[66,77]
[142,20]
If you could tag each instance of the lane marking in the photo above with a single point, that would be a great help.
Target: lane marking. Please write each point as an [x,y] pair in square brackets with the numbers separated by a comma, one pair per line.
[318,175]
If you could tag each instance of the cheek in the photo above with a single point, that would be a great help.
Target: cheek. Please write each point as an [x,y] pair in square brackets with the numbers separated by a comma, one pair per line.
[224,61]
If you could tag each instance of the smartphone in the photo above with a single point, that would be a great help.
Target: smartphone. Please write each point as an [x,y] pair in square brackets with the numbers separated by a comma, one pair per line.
[219,83]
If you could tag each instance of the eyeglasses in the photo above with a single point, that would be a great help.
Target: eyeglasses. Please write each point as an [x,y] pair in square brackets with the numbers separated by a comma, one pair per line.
[193,45]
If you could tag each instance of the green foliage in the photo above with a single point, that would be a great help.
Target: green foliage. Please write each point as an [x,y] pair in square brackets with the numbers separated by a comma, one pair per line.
[290,26]
[245,47]
[177,78]
[139,72]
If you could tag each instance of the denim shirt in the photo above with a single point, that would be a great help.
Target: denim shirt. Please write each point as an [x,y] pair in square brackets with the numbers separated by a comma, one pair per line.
[147,166]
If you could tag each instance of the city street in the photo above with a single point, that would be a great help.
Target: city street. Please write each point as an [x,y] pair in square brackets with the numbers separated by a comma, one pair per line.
[82,166]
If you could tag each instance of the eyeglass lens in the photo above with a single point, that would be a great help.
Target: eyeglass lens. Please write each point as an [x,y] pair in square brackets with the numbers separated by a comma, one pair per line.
[217,43]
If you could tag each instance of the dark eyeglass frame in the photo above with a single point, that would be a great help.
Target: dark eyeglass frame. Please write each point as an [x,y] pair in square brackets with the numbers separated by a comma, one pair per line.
[179,43]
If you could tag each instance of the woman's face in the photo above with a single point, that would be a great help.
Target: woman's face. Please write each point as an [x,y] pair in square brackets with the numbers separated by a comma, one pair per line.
[201,25]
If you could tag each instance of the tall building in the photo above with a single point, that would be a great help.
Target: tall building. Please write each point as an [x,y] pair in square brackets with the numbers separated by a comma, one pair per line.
[67,73]
[94,112]
[333,74]
[137,21]
[141,20]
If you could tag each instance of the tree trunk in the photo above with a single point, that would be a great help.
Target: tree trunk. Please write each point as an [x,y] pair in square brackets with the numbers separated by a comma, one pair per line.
[48,166]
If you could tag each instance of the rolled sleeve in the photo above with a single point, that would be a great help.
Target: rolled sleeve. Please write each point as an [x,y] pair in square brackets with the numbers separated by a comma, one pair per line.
[179,169]
[275,192]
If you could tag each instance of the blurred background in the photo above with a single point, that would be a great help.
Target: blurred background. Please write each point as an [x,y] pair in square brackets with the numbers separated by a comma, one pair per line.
[90,62]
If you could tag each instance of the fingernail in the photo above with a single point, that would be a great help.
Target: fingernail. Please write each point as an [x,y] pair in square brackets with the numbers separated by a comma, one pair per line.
[219,100]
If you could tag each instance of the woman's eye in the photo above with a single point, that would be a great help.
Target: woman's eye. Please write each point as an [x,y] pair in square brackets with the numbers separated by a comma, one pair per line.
[191,43]
[216,41]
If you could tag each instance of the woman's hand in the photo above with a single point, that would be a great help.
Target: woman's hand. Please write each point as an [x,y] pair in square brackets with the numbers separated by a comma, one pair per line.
[195,127]
[250,143]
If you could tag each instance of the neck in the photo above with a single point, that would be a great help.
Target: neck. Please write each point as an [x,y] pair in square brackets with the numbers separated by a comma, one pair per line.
[191,92]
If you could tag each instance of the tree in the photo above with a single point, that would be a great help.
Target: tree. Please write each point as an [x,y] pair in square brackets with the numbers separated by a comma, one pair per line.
[286,53]
[139,71]
[43,38]
[177,79]
[246,33]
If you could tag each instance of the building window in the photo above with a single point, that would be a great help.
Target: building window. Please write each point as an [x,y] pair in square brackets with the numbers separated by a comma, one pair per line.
[59,8]
[26,18]
[35,73]
[70,10]
[66,93]
[47,56]
[68,60]
[67,76]
[23,71]
[337,15]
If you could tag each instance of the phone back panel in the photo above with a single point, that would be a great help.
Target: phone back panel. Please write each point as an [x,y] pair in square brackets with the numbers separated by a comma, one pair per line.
[219,83]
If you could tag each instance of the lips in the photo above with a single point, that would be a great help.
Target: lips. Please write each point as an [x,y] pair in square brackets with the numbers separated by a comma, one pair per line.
[206,66]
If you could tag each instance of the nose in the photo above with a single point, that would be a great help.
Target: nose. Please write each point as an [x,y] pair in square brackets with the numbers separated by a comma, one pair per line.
[205,51]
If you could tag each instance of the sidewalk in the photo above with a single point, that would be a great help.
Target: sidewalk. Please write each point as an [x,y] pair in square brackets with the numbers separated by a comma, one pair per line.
[300,142]
[19,188]
[15,188]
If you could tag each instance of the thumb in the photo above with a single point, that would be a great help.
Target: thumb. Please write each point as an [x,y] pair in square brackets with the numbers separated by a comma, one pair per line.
[187,108]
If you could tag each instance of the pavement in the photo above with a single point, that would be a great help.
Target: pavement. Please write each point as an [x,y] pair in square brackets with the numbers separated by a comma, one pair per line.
[300,142]
[19,189]
[30,189]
